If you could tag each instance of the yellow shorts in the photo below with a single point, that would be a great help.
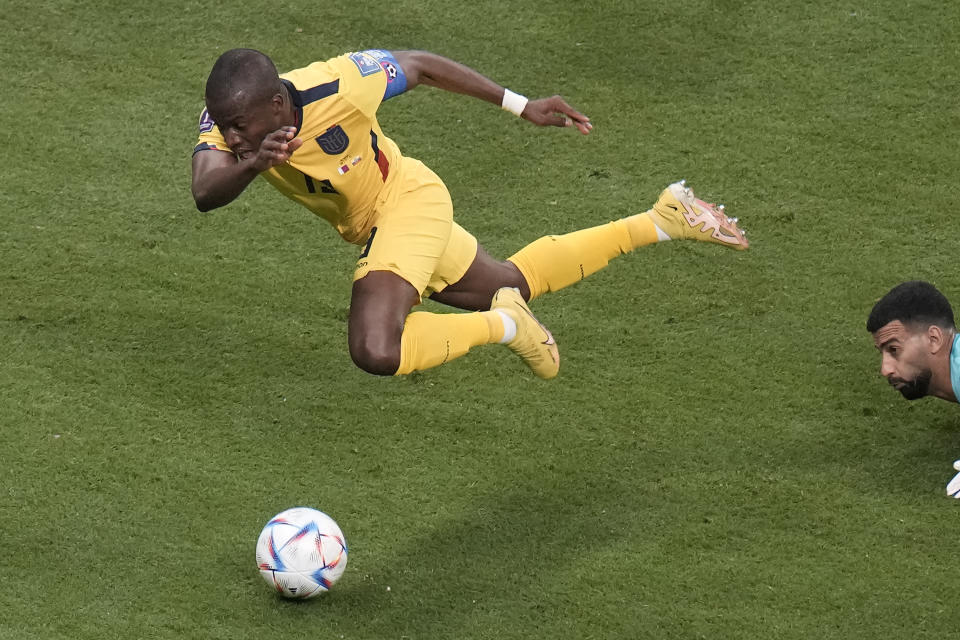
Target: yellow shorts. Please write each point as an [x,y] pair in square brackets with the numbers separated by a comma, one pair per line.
[415,236]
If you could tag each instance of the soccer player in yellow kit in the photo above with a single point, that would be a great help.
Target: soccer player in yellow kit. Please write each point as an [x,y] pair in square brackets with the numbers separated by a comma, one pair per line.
[313,134]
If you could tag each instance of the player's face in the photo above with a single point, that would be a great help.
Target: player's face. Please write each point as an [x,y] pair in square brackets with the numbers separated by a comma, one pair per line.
[905,359]
[244,124]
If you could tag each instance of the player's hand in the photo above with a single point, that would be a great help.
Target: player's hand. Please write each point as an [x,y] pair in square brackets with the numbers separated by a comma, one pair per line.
[555,112]
[953,487]
[276,148]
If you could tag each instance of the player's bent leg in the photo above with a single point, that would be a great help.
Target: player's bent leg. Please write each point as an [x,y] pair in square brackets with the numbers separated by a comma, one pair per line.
[385,339]
[379,305]
[499,286]
[476,288]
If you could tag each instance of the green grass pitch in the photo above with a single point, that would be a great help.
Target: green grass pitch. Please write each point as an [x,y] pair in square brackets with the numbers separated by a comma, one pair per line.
[718,458]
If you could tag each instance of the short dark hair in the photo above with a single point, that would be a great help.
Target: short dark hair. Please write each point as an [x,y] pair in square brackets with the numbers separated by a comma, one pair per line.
[914,303]
[247,74]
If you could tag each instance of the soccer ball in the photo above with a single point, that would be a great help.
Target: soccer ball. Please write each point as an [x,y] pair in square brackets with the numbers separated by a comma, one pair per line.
[301,552]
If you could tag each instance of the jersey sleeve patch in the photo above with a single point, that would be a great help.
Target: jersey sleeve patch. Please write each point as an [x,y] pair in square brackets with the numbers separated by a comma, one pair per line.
[206,122]
[366,64]
[396,79]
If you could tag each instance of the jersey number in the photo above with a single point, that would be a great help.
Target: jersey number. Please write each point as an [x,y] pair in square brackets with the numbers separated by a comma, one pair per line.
[325,186]
[366,248]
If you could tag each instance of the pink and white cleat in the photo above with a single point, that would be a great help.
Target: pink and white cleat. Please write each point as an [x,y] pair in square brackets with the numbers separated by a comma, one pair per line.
[680,214]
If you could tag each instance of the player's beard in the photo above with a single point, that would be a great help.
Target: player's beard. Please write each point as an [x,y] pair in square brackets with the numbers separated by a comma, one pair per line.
[916,388]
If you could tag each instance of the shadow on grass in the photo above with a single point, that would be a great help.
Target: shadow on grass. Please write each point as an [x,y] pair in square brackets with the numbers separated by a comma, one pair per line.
[510,564]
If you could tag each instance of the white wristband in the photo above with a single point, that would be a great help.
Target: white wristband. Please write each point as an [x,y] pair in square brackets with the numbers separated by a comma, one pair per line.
[513,102]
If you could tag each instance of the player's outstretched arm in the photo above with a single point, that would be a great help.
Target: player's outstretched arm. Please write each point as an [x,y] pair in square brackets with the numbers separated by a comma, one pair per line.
[423,67]
[219,177]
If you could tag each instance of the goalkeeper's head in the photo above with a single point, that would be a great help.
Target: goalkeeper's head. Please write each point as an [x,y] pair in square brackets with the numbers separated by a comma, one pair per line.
[913,327]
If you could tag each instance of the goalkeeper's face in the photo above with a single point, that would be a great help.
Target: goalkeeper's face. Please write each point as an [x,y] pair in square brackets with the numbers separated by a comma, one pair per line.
[906,358]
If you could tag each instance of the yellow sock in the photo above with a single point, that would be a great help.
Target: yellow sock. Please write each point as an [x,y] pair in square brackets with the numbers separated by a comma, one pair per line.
[642,230]
[554,262]
[431,339]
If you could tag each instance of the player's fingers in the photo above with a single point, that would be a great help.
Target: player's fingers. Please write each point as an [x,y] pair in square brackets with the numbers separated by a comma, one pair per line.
[276,138]
[581,121]
[277,145]
[563,107]
[276,154]
[557,120]
[563,121]
[544,117]
[568,116]
[273,154]
[285,149]
[269,146]
[576,116]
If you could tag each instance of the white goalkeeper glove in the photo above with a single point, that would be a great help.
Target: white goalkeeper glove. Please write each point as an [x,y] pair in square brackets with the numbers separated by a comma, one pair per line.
[953,487]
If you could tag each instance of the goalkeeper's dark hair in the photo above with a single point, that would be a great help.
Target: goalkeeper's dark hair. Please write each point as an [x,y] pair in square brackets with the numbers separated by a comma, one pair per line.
[916,304]
[247,74]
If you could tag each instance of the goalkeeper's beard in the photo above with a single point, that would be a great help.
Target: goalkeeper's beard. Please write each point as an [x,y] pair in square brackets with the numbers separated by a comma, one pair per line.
[916,388]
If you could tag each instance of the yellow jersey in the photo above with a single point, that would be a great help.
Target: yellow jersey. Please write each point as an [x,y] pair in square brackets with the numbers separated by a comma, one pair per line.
[345,160]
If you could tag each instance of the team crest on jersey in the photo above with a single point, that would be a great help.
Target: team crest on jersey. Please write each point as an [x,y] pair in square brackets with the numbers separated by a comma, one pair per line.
[334,140]
[206,122]
[365,63]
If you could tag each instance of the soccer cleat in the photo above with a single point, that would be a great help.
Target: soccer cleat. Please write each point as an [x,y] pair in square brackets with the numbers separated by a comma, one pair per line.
[533,342]
[680,214]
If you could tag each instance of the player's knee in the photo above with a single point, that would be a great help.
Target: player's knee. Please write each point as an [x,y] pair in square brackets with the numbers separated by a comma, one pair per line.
[517,277]
[379,357]
[514,278]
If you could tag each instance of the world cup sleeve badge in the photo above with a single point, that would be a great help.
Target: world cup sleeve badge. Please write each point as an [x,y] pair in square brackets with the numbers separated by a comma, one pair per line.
[365,63]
